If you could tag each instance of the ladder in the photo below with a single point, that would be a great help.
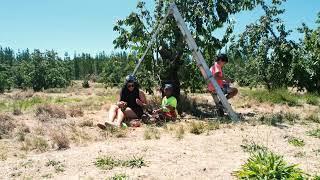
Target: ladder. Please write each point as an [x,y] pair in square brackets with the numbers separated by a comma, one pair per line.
[197,55]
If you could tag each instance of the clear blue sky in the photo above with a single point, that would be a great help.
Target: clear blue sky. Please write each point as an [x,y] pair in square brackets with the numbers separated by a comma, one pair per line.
[86,26]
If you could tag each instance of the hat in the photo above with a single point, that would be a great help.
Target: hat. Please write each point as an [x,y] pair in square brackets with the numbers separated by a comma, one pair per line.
[168,86]
[130,78]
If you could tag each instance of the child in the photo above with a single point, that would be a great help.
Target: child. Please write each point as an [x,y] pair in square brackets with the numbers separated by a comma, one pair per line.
[222,81]
[168,106]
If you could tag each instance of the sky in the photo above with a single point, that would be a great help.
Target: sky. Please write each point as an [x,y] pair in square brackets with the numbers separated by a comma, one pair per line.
[77,26]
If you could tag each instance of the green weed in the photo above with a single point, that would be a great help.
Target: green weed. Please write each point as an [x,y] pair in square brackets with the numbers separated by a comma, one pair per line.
[314,133]
[267,165]
[108,162]
[252,147]
[295,141]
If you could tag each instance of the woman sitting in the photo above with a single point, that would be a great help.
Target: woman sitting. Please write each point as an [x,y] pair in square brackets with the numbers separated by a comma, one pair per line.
[130,105]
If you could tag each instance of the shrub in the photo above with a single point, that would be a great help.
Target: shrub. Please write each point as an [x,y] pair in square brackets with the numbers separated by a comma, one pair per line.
[35,143]
[108,162]
[314,133]
[119,177]
[21,133]
[271,120]
[6,125]
[52,110]
[267,165]
[76,112]
[197,127]
[296,141]
[60,139]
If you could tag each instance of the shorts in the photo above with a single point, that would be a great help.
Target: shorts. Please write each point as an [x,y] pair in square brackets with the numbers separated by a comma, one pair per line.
[226,89]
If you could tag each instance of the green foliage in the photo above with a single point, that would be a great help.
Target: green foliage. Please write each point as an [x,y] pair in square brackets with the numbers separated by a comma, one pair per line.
[263,51]
[5,82]
[278,96]
[314,133]
[296,141]
[119,177]
[108,162]
[267,165]
[272,120]
[202,18]
[116,69]
[252,147]
[306,67]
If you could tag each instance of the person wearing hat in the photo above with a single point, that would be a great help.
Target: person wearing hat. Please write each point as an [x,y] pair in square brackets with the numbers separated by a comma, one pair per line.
[130,105]
[168,105]
[222,80]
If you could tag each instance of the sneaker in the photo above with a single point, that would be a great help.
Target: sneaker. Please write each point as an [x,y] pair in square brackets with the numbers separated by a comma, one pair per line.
[101,126]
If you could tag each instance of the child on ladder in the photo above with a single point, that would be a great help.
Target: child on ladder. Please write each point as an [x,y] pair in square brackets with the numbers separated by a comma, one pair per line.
[223,81]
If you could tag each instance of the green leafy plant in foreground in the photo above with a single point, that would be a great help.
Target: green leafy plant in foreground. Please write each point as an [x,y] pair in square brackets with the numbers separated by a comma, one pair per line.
[267,165]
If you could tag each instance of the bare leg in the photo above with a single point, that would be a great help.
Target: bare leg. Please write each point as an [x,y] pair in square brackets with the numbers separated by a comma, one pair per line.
[129,113]
[120,117]
[112,113]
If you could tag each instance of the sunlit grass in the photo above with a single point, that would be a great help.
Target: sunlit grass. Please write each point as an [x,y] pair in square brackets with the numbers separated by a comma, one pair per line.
[29,103]
[280,96]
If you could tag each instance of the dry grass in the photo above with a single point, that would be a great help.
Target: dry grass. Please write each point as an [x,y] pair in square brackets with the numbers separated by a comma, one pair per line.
[3,152]
[151,133]
[17,111]
[86,123]
[60,139]
[79,135]
[37,143]
[180,132]
[22,95]
[52,111]
[76,112]
[7,125]
[22,131]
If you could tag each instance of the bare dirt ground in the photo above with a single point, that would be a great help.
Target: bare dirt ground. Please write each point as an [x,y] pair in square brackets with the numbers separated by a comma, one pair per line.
[213,154]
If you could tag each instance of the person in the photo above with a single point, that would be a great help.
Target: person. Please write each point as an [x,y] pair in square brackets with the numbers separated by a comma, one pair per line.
[130,105]
[223,81]
[168,106]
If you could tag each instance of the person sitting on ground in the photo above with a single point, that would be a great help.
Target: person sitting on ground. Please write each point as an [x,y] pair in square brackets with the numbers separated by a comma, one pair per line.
[223,81]
[168,106]
[130,105]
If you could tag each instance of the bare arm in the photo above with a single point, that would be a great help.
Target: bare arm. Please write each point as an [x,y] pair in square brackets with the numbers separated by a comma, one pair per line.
[217,77]
[143,100]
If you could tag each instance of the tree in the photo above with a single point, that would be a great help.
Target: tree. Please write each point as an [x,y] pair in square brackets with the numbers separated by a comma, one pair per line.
[306,66]
[265,52]
[203,17]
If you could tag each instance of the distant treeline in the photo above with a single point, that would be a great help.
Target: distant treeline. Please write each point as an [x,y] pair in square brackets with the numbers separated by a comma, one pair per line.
[42,70]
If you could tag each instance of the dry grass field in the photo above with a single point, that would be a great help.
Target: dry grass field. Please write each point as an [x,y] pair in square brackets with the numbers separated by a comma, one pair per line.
[53,135]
